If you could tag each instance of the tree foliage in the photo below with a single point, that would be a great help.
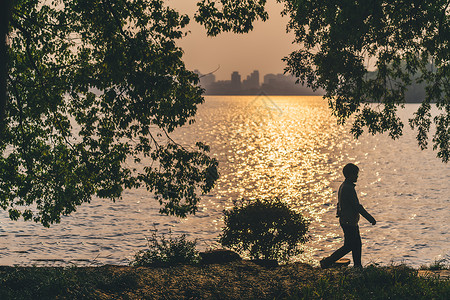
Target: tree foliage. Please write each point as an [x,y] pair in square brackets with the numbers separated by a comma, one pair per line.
[406,41]
[227,15]
[94,87]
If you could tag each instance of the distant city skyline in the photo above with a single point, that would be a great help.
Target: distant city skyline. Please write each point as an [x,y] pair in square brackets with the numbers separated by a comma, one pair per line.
[277,84]
[273,84]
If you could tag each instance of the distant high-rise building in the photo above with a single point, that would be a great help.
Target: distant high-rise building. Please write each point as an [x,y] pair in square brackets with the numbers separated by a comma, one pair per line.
[255,78]
[252,81]
[205,80]
[236,81]
[280,84]
[272,79]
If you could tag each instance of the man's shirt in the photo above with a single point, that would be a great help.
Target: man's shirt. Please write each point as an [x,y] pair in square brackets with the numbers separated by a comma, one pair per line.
[348,204]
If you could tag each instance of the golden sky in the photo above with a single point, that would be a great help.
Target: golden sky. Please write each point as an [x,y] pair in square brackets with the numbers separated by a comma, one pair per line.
[262,49]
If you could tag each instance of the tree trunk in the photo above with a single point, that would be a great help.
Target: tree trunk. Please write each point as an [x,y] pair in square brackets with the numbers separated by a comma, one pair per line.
[5,14]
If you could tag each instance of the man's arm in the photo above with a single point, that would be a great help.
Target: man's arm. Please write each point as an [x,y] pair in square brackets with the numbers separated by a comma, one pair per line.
[366,215]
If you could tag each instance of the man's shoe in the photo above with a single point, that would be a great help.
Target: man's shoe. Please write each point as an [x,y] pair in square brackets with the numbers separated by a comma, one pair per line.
[324,264]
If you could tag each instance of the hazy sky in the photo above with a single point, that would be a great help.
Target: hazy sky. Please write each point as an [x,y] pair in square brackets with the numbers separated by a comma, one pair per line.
[262,49]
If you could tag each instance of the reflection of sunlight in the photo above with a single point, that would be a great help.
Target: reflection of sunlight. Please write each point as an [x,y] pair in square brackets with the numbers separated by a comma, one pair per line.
[290,154]
[287,147]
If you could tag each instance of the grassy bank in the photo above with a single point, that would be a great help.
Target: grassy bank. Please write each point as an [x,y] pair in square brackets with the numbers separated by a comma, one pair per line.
[237,280]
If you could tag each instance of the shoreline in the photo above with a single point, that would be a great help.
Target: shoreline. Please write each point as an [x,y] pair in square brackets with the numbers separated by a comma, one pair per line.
[234,280]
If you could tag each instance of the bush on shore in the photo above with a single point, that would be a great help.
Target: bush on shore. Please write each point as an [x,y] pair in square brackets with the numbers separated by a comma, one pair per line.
[169,251]
[264,229]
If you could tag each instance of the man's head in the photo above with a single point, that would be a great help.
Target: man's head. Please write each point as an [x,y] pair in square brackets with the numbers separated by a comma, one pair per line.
[351,172]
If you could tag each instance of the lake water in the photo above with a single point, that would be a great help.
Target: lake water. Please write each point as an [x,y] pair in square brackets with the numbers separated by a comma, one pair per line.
[267,146]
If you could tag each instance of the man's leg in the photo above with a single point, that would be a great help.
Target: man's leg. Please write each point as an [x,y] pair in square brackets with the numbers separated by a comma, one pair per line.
[356,248]
[339,253]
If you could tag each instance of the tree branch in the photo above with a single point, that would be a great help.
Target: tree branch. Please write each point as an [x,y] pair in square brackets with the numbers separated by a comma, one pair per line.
[117,20]
[441,20]
[28,43]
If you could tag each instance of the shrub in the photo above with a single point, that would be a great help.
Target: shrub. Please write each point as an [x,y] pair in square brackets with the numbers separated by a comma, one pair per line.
[439,264]
[219,256]
[164,251]
[264,229]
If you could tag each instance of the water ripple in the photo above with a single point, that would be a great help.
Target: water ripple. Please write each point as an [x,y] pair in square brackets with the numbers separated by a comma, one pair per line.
[287,147]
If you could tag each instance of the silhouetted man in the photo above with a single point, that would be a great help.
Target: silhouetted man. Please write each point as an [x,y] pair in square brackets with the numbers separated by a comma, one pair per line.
[348,211]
